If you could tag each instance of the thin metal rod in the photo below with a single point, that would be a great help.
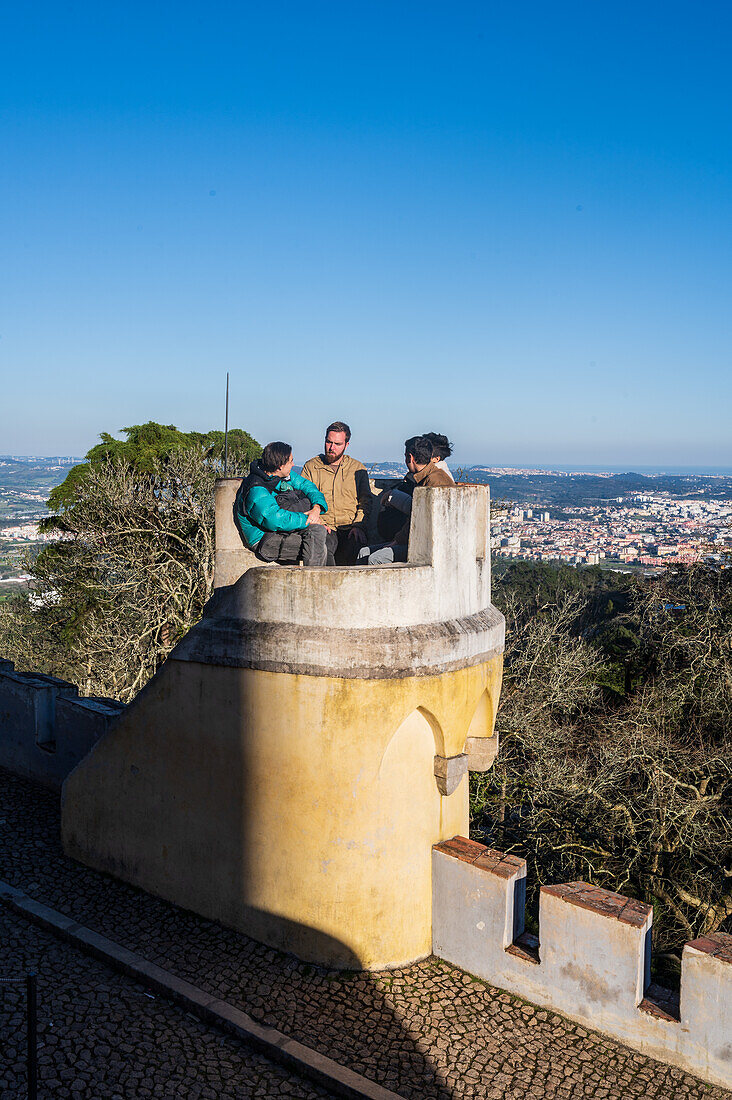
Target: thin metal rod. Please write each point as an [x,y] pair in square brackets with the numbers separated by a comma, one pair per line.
[226,430]
[32,1029]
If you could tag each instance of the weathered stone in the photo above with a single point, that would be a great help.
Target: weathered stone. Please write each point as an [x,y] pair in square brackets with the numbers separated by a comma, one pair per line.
[482,752]
[593,963]
[450,771]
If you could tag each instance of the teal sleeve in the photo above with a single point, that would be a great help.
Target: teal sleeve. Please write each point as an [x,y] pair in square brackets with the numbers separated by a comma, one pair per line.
[263,509]
[312,491]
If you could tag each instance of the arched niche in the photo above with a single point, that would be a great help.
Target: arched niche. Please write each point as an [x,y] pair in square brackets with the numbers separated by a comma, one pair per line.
[418,739]
[481,743]
[439,737]
[481,724]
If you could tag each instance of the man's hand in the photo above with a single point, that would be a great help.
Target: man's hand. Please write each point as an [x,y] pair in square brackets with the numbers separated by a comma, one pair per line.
[314,517]
[358,535]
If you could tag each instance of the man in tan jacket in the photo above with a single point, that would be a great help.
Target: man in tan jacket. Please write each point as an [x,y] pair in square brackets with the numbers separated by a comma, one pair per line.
[344,482]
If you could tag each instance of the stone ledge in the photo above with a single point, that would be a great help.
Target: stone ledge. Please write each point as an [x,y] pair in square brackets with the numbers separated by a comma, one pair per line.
[426,649]
[603,902]
[661,1003]
[716,944]
[486,859]
[526,947]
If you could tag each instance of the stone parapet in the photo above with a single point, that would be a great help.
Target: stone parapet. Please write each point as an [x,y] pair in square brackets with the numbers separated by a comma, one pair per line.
[591,960]
[46,728]
[231,558]
[291,764]
[428,616]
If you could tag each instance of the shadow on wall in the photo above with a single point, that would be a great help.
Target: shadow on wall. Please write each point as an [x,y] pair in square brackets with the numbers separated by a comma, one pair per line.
[183,801]
[258,800]
[353,1017]
[278,775]
[46,727]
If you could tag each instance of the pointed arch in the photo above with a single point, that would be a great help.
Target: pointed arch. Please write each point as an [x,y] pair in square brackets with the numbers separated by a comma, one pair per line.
[481,743]
[436,728]
[481,724]
[422,731]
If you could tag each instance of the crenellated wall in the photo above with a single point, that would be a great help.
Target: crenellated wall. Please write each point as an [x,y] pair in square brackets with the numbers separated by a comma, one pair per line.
[46,728]
[591,960]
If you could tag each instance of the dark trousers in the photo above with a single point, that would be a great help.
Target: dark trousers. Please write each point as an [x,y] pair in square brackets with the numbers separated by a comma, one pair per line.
[342,550]
[307,545]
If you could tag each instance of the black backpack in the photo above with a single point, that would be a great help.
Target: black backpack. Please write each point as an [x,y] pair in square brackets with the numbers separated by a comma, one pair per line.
[293,500]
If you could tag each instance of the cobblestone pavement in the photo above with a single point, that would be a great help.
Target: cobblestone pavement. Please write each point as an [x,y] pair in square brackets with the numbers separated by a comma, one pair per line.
[100,1035]
[427,1031]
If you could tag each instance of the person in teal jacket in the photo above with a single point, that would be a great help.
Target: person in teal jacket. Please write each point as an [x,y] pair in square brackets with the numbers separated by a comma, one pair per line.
[278,513]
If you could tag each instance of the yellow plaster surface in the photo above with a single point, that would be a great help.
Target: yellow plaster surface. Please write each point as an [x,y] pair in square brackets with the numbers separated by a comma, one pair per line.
[299,809]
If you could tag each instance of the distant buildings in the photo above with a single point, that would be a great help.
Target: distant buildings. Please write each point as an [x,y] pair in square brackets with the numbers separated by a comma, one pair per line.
[652,530]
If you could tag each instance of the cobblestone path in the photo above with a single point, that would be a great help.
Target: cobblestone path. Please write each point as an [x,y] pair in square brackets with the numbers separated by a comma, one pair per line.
[101,1036]
[428,1031]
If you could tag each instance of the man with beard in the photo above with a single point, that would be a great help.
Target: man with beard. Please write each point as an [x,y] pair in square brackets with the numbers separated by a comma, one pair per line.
[344,482]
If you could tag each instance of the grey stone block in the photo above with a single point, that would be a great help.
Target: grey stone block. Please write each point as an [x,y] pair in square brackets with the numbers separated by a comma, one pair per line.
[482,752]
[449,770]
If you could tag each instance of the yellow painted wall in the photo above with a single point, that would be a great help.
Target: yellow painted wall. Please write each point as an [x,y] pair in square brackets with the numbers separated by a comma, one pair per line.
[299,809]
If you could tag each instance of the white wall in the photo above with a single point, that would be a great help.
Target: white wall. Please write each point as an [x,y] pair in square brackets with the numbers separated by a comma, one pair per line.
[594,954]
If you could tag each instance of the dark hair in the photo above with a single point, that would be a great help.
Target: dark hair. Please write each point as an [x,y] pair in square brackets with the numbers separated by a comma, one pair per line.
[420,448]
[441,445]
[275,455]
[339,426]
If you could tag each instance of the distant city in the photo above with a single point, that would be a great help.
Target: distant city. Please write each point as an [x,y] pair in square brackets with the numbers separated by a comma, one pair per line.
[649,530]
[617,520]
[611,518]
[49,460]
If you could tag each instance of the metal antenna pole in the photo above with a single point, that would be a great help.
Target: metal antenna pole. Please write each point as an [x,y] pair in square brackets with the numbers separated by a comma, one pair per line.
[226,430]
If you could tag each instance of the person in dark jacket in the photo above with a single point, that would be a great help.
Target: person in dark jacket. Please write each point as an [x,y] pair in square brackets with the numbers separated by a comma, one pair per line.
[278,513]
[418,455]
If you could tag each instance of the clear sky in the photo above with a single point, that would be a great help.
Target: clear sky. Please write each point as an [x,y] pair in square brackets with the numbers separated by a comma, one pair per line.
[509,222]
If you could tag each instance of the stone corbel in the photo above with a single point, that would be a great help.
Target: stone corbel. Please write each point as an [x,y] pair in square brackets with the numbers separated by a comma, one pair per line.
[449,770]
[481,752]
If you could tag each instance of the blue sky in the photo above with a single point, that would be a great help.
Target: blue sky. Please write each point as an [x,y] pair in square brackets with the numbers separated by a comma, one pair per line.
[507,222]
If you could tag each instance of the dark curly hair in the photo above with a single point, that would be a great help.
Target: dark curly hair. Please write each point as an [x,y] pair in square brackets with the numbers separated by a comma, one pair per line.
[441,445]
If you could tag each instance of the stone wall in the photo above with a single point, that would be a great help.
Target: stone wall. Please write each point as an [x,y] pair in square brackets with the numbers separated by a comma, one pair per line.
[591,960]
[46,728]
[289,767]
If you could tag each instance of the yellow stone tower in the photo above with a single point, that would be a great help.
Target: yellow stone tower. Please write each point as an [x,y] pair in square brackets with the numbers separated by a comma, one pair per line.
[290,766]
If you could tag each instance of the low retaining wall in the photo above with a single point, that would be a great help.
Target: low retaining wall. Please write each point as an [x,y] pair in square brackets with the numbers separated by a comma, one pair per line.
[591,961]
[45,727]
